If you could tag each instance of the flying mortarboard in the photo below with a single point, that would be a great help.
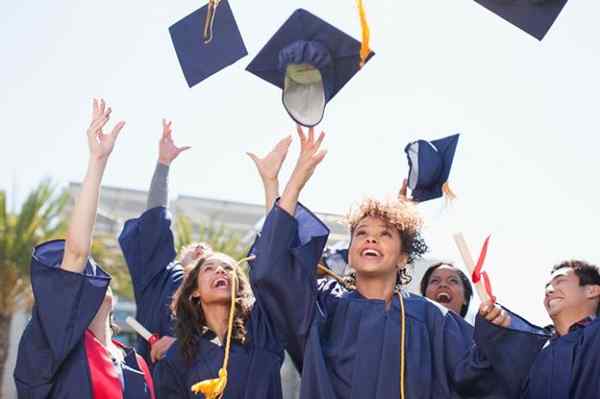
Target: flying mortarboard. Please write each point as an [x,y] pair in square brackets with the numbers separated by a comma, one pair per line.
[533,16]
[429,166]
[310,60]
[207,41]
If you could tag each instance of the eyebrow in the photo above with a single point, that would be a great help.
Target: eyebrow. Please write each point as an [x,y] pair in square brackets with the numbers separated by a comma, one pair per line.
[384,226]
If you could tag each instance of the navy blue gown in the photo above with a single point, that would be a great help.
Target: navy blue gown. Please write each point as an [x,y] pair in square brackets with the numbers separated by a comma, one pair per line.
[253,372]
[149,250]
[348,346]
[52,361]
[564,367]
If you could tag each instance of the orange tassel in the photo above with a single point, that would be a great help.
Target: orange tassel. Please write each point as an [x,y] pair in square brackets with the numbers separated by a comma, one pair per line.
[448,193]
[366,33]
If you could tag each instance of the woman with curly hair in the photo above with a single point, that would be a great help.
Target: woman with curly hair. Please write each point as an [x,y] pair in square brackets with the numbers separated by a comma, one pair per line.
[249,366]
[375,340]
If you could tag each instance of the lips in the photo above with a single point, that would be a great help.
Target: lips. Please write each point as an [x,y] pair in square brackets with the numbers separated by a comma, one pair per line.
[220,282]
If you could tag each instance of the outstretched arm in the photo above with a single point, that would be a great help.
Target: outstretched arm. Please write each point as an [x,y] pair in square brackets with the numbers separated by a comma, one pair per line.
[83,217]
[268,168]
[167,152]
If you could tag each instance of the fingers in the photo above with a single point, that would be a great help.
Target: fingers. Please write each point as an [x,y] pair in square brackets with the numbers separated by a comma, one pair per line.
[117,129]
[403,194]
[320,140]
[283,144]
[301,135]
[253,157]
[182,149]
[311,134]
[494,314]
[319,156]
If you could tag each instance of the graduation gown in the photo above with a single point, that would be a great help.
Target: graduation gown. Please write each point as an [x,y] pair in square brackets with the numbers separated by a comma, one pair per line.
[253,372]
[564,367]
[349,346]
[148,247]
[55,359]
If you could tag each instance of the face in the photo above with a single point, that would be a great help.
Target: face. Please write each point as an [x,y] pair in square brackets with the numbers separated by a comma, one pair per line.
[446,287]
[563,293]
[214,280]
[376,248]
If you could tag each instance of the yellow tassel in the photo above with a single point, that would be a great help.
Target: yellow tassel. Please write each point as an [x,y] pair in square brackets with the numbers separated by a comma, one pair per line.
[402,347]
[210,20]
[212,389]
[366,33]
[448,193]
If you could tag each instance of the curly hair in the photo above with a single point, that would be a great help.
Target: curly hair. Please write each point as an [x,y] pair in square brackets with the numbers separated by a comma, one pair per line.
[401,215]
[190,322]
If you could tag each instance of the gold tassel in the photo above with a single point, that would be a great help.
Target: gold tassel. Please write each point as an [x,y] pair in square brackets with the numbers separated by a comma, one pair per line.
[448,193]
[214,388]
[402,346]
[366,33]
[210,20]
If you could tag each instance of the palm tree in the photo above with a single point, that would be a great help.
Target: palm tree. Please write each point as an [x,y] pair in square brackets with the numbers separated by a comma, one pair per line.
[40,218]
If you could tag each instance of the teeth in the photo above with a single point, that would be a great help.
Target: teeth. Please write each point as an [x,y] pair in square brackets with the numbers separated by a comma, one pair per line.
[370,252]
[220,282]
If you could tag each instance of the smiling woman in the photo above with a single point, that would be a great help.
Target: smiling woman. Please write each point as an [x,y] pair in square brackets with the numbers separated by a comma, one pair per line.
[449,286]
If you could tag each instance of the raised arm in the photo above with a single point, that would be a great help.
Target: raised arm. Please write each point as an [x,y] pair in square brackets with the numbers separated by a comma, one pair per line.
[310,156]
[167,152]
[268,168]
[79,235]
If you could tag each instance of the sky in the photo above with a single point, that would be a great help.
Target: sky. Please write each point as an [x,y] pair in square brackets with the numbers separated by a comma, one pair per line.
[525,170]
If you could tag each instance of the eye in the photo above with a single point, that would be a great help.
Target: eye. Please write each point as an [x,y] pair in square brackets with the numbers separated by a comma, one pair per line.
[360,233]
[208,268]
[454,281]
[228,268]
[434,281]
[386,233]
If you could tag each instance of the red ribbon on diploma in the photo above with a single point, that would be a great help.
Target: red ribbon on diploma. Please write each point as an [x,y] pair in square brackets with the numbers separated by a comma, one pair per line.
[478,274]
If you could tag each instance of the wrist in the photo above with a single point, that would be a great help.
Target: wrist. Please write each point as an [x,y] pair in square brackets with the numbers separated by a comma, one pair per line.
[166,162]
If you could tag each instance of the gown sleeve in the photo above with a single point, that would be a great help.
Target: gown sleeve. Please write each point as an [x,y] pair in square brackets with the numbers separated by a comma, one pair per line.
[168,383]
[148,246]
[65,304]
[283,274]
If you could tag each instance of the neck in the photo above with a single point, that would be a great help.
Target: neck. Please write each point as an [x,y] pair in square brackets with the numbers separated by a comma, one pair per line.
[564,320]
[217,316]
[100,326]
[377,287]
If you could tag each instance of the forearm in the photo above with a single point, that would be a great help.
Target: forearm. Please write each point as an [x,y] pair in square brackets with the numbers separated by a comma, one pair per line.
[159,187]
[83,218]
[271,188]
[291,194]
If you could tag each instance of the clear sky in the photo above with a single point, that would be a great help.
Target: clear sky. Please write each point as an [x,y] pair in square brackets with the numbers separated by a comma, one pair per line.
[525,170]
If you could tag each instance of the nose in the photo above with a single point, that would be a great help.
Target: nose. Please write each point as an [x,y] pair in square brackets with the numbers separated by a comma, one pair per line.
[549,289]
[371,240]
[220,269]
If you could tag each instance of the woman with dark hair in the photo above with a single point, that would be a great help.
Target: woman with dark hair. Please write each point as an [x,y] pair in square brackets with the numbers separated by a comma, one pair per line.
[374,341]
[449,286]
[247,368]
[67,350]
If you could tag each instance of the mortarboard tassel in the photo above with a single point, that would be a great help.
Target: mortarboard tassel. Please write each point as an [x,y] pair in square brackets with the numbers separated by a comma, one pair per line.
[214,388]
[210,20]
[402,346]
[448,193]
[366,33]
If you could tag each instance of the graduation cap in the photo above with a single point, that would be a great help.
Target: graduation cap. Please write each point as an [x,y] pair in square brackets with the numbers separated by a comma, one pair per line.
[533,16]
[207,41]
[429,166]
[311,61]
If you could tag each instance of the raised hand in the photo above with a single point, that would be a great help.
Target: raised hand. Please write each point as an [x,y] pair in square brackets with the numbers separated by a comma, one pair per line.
[311,154]
[101,144]
[167,150]
[403,193]
[270,165]
[495,314]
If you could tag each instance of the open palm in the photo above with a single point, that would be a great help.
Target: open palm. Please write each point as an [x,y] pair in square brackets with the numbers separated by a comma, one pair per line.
[167,150]
[101,144]
[270,164]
